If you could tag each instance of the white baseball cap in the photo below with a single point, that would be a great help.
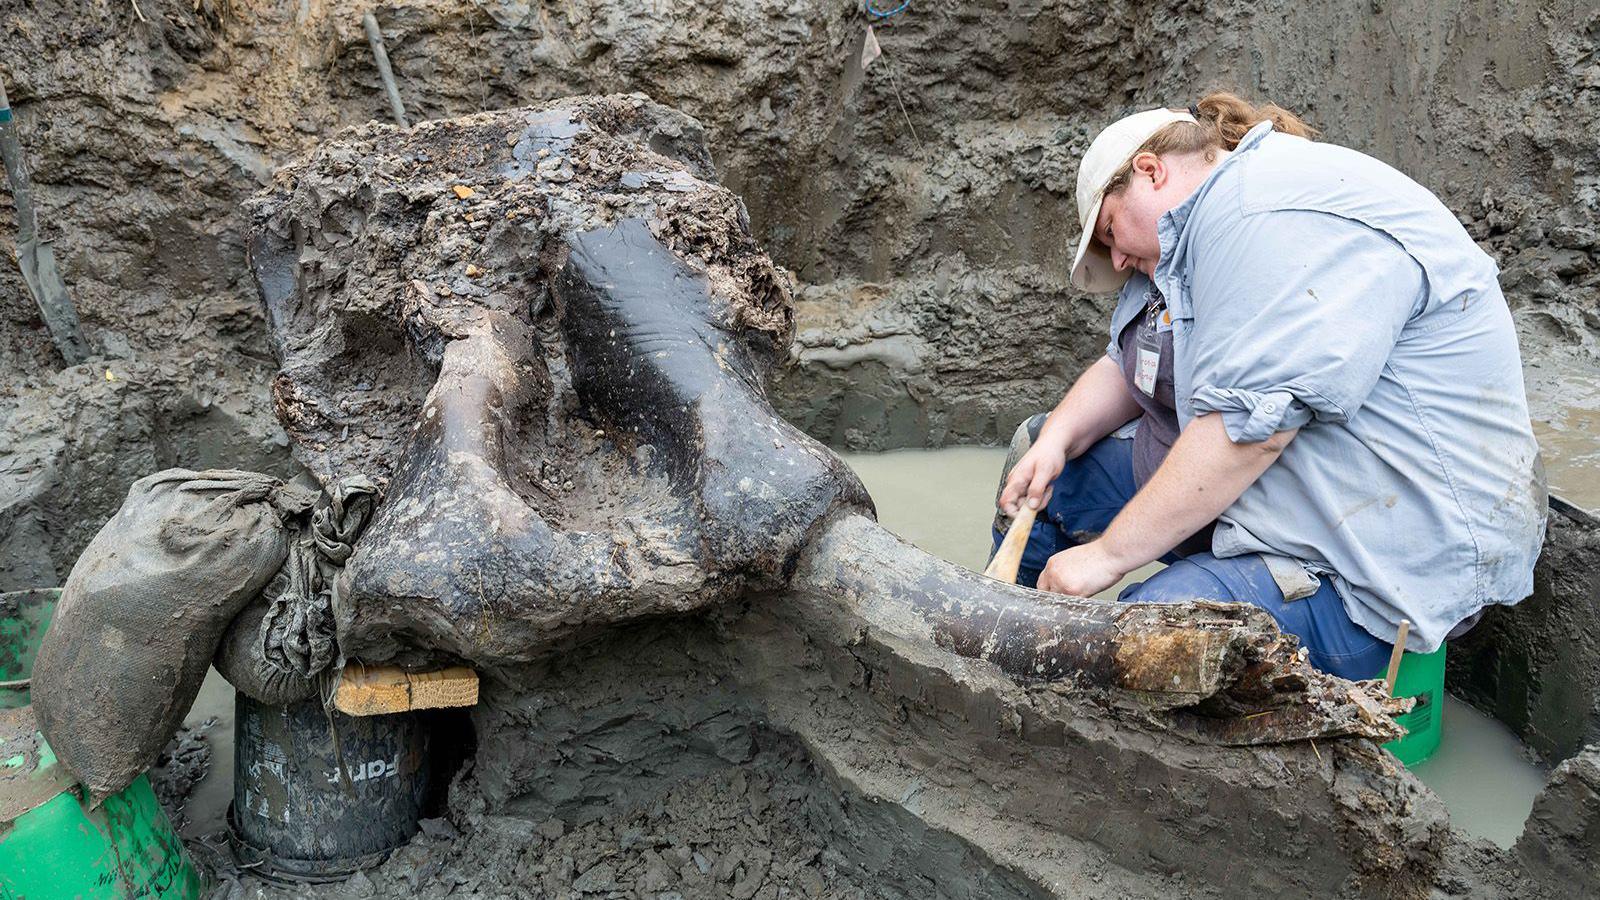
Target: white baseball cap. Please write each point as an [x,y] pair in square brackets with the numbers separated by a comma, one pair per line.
[1091,268]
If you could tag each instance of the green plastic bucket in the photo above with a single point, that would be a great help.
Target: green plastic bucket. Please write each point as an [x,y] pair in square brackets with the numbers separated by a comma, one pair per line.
[1421,677]
[24,616]
[51,844]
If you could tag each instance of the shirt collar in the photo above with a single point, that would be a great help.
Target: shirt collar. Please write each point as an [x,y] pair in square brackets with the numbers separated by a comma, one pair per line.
[1131,301]
[1169,228]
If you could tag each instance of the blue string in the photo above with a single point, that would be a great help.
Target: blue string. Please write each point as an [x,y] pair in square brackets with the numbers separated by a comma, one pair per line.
[880,14]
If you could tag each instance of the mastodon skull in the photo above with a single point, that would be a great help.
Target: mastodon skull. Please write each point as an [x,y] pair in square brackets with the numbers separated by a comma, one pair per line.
[546,331]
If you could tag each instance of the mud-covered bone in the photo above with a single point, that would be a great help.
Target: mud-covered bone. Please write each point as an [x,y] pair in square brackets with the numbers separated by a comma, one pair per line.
[648,350]
[550,334]
[1236,679]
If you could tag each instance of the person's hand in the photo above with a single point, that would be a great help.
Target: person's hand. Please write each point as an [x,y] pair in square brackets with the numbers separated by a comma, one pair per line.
[1032,476]
[1082,571]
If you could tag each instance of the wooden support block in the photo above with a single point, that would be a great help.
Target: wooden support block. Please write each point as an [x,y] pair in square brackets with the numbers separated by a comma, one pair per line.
[380,690]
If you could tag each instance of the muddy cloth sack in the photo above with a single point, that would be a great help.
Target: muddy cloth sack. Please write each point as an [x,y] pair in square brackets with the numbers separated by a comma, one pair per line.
[240,661]
[278,647]
[143,610]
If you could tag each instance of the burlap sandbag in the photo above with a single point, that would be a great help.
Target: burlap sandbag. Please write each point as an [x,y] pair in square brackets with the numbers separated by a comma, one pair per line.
[279,648]
[144,608]
[239,659]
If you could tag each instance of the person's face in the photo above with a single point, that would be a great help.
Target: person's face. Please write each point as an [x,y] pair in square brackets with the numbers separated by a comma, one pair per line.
[1128,217]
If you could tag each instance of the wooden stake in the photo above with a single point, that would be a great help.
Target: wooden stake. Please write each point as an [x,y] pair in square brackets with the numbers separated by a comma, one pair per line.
[380,690]
[34,255]
[369,23]
[1008,559]
[1394,656]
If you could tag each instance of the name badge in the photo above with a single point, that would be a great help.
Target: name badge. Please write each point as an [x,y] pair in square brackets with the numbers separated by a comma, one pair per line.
[1144,370]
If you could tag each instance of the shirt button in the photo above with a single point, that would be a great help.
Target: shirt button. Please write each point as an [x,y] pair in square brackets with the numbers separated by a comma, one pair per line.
[1269,406]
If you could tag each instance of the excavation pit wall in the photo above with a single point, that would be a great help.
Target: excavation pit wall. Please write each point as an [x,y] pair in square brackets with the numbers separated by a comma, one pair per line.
[1536,666]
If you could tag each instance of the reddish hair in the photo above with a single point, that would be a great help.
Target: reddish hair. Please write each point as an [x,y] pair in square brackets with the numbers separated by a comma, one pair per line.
[1223,121]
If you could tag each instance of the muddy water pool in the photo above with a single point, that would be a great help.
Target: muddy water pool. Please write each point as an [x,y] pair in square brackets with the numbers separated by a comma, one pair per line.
[1564,401]
[206,810]
[943,502]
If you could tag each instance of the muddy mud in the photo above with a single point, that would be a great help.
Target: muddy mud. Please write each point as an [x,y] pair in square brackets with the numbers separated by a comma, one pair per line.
[781,742]
[1536,666]
[184,763]
[776,741]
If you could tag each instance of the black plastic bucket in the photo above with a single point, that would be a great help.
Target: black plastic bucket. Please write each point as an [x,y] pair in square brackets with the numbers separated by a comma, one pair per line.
[297,814]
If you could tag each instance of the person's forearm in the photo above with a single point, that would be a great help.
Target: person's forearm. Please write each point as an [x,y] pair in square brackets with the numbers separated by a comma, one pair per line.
[1203,474]
[1097,405]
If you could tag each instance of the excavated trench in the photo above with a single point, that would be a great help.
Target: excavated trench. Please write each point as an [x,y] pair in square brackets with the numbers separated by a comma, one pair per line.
[774,748]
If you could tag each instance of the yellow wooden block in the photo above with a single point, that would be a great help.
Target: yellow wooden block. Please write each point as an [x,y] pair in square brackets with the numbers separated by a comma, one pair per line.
[380,690]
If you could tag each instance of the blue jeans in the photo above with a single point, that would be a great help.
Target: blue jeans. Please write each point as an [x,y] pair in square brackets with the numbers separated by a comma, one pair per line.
[1093,488]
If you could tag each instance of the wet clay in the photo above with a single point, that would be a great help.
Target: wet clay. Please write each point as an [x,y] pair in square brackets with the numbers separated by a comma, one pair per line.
[922,202]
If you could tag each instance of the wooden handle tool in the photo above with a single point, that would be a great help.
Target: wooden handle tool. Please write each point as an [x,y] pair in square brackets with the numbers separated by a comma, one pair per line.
[1008,559]
[1394,656]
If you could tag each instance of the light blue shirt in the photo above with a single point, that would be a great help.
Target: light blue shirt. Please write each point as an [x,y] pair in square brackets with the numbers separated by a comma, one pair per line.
[1312,286]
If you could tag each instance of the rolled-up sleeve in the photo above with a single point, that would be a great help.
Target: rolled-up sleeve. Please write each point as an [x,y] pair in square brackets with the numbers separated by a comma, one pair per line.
[1252,416]
[1295,315]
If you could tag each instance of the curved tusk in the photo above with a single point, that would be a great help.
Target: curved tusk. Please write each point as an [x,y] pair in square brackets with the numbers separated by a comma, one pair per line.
[1226,666]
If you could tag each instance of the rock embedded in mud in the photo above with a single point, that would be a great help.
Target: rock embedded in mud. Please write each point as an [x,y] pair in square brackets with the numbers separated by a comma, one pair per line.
[1563,829]
[600,878]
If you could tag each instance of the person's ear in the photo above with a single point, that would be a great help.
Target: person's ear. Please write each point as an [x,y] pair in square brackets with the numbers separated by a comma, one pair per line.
[1148,166]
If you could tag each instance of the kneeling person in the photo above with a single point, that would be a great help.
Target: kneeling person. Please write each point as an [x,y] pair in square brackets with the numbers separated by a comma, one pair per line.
[1330,416]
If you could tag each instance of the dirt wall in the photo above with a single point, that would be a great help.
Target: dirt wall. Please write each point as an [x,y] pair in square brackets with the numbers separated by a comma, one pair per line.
[953,268]
[1536,666]
[924,201]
